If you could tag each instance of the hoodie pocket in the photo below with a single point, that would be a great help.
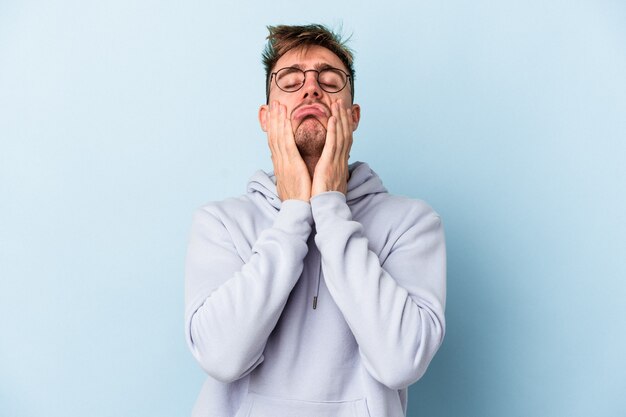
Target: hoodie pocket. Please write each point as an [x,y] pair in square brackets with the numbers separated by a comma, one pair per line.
[257,405]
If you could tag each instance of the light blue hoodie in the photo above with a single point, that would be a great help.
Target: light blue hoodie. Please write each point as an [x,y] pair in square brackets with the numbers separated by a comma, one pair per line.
[324,309]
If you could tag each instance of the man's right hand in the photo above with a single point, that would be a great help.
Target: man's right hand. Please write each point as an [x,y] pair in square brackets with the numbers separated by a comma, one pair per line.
[292,176]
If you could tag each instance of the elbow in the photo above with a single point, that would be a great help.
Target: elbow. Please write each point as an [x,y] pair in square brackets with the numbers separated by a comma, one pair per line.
[219,358]
[224,365]
[406,367]
[224,371]
[421,357]
[397,377]
[395,380]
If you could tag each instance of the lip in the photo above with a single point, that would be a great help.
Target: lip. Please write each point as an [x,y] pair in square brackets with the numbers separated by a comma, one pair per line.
[314,110]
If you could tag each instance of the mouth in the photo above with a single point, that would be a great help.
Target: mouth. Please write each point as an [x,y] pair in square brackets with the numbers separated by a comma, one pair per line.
[312,110]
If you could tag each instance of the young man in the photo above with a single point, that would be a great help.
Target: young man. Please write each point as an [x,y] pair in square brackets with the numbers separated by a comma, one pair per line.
[317,293]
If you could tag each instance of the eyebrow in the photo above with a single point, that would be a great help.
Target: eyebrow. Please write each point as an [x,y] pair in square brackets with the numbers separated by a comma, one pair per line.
[319,66]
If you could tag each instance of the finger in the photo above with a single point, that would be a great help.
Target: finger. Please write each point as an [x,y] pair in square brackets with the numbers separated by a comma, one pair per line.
[287,140]
[351,118]
[347,132]
[272,119]
[277,125]
[271,128]
[339,136]
[268,119]
[345,123]
[344,116]
[278,133]
[344,133]
[331,139]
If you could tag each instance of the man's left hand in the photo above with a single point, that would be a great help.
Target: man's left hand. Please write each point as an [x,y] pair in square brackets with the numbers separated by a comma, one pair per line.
[331,172]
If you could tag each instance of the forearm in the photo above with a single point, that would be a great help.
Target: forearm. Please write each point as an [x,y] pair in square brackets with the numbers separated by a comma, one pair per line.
[395,312]
[236,305]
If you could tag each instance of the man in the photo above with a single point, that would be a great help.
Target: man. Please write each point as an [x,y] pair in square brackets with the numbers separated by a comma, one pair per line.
[317,293]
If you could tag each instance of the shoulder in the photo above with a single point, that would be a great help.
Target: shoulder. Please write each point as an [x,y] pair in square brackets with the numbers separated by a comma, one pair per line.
[408,203]
[399,210]
[242,218]
[392,221]
[227,207]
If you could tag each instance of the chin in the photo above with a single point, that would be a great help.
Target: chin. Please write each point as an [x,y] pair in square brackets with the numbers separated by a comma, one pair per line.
[310,137]
[311,122]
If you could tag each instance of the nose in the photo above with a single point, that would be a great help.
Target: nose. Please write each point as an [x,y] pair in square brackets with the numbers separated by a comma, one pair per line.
[311,88]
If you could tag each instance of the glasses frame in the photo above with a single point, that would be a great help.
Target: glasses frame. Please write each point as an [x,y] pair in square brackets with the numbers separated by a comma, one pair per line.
[317,78]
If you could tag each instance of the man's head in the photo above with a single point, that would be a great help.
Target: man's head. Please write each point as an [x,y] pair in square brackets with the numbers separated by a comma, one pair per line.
[284,38]
[307,69]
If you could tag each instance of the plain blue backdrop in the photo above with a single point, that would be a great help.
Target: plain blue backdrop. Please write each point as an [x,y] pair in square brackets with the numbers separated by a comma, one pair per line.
[118,118]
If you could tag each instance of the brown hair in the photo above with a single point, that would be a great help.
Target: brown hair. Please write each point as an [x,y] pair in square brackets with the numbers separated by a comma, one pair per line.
[283,38]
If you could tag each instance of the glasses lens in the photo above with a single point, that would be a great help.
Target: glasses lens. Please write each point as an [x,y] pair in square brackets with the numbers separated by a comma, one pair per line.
[332,80]
[290,79]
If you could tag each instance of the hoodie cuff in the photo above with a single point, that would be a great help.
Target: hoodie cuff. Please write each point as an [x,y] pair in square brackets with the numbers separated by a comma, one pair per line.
[294,217]
[328,207]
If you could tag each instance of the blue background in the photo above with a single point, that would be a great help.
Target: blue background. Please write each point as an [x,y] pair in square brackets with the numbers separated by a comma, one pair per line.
[119,118]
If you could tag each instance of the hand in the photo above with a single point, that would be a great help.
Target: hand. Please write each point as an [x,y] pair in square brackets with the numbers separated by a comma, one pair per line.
[331,172]
[292,176]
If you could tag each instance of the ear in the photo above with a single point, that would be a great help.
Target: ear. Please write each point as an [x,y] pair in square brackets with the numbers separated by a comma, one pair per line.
[356,116]
[263,110]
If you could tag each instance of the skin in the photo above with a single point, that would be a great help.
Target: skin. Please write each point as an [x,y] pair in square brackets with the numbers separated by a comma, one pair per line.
[309,131]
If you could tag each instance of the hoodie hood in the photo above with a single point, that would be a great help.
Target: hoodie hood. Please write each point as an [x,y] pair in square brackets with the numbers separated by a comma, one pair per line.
[363,181]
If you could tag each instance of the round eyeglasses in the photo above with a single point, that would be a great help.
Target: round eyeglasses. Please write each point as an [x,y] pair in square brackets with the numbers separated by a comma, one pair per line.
[291,79]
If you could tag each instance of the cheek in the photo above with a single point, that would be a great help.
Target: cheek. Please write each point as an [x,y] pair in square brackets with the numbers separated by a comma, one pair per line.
[347,99]
[281,97]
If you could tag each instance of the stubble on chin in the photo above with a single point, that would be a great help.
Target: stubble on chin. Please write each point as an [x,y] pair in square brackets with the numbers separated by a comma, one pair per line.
[310,137]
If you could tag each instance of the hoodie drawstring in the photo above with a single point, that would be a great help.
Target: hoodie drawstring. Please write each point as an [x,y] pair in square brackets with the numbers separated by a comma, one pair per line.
[319,278]
[319,274]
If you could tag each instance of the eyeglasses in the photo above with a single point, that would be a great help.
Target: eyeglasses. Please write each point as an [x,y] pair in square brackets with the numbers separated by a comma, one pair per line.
[291,79]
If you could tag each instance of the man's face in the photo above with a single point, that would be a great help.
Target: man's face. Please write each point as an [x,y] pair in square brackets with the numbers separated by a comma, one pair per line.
[309,107]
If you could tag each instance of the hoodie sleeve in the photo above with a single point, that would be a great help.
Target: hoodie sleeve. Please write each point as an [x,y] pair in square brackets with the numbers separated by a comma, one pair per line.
[395,310]
[232,306]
